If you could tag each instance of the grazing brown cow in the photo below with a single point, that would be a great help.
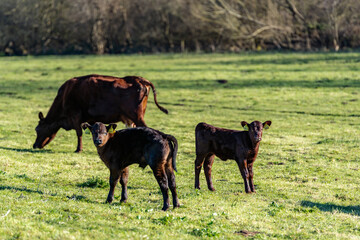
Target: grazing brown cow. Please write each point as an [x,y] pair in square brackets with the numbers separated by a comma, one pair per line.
[95,98]
[241,146]
[142,145]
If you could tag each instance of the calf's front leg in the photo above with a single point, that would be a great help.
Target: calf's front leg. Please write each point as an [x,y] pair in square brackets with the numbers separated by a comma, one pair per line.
[198,164]
[113,180]
[242,164]
[124,176]
[209,160]
[251,176]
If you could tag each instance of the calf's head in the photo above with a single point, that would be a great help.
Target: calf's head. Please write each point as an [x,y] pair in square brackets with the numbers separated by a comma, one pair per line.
[255,129]
[45,132]
[100,132]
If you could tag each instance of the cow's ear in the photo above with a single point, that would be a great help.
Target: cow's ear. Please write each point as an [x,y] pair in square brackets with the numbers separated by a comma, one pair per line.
[267,124]
[85,125]
[111,128]
[245,125]
[41,116]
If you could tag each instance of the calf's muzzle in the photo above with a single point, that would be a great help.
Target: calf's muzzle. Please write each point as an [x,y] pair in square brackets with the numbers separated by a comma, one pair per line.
[98,142]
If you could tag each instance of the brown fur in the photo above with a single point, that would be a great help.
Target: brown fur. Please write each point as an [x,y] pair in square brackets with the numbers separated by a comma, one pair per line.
[241,146]
[142,145]
[95,98]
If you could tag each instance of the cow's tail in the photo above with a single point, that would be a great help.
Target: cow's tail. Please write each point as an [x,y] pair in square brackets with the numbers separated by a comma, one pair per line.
[174,148]
[154,91]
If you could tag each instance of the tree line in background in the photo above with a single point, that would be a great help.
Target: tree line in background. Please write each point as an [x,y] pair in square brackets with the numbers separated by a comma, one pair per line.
[132,26]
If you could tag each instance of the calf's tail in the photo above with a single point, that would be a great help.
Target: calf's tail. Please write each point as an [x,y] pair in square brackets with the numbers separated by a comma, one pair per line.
[174,148]
[146,82]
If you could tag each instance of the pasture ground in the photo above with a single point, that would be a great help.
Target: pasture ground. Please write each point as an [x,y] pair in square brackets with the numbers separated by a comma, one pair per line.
[307,173]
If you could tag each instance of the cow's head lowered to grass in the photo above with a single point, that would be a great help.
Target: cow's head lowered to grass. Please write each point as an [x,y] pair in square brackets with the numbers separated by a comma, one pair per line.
[45,132]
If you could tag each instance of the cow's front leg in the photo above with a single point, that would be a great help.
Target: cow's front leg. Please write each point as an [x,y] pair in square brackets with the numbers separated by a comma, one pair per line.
[79,147]
[242,164]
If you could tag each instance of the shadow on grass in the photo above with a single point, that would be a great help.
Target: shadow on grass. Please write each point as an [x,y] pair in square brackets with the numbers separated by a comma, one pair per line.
[30,150]
[208,84]
[201,107]
[73,197]
[330,207]
[24,189]
[289,59]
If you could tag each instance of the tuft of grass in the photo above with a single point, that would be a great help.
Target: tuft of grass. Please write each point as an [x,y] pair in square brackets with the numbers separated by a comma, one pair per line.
[94,182]
[204,232]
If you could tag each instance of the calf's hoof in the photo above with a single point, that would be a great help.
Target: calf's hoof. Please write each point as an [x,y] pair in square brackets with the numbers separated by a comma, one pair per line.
[250,192]
[211,189]
[165,208]
[123,200]
[78,150]
[109,200]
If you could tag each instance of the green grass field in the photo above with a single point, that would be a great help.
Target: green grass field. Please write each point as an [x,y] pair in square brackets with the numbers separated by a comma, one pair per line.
[307,173]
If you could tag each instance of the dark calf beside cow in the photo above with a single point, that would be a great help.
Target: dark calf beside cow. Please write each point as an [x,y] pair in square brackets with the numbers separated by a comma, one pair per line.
[241,146]
[142,145]
[95,98]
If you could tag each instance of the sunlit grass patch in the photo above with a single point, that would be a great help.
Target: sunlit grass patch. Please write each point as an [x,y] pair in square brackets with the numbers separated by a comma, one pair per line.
[307,173]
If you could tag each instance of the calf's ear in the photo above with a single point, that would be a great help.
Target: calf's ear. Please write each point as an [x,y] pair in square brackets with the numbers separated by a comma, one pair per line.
[111,128]
[85,125]
[266,124]
[41,116]
[245,125]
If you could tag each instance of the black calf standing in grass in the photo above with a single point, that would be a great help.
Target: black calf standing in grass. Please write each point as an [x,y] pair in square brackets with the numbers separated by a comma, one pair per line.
[241,146]
[141,145]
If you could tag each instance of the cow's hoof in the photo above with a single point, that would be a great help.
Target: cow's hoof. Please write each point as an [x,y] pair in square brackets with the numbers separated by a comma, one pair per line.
[78,151]
[212,189]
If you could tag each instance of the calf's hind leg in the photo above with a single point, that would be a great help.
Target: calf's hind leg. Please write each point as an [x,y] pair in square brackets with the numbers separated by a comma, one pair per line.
[172,184]
[161,177]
